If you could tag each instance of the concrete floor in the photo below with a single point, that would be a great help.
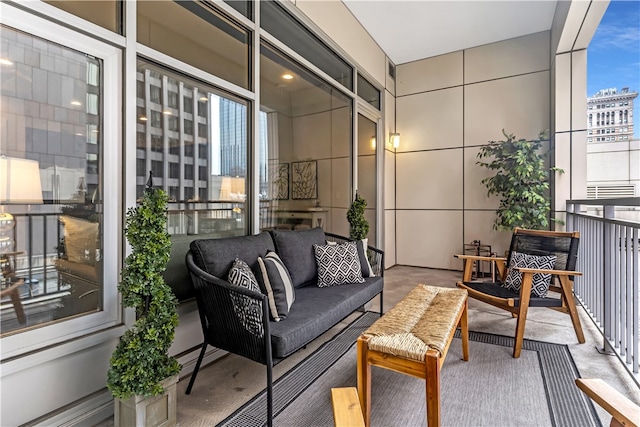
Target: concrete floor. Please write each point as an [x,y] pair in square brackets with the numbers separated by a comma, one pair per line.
[228,383]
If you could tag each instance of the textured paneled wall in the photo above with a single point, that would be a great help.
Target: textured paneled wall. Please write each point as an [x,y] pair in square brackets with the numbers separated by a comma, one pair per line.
[448,106]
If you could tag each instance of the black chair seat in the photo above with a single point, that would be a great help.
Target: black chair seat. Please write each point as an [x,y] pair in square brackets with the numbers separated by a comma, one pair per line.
[495,289]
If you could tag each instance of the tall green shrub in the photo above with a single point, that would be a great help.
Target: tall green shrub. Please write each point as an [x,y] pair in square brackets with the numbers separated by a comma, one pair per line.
[141,361]
[355,215]
[521,181]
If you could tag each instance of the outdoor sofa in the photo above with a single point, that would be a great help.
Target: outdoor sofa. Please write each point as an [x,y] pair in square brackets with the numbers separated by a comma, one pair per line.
[240,320]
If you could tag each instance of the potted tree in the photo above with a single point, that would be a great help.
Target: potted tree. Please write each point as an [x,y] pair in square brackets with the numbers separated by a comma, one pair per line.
[521,181]
[359,226]
[142,376]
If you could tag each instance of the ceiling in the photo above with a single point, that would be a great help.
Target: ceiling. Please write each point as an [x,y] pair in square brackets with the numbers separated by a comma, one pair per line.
[411,30]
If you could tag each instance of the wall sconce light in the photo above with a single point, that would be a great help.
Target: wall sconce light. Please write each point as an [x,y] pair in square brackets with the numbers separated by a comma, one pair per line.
[394,140]
[373,142]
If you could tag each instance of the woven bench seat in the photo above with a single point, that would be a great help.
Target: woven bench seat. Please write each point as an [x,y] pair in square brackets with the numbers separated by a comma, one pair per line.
[413,338]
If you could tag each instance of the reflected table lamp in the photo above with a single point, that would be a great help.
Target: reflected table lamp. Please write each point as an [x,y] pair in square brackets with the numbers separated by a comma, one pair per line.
[19,184]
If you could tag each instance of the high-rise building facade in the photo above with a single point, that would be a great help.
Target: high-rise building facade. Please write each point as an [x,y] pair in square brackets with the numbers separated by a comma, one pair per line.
[610,115]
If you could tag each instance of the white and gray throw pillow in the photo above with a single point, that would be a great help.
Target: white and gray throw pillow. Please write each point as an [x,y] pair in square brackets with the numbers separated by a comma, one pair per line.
[541,281]
[338,264]
[275,281]
[248,310]
[367,271]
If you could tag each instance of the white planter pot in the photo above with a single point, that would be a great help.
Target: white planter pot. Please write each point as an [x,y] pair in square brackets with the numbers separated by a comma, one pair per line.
[154,411]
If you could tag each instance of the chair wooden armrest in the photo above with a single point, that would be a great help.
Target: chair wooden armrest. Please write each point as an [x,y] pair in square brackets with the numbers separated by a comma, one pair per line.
[556,272]
[624,411]
[346,407]
[480,258]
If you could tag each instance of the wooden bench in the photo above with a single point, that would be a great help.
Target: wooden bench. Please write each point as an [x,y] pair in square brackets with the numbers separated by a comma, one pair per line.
[413,339]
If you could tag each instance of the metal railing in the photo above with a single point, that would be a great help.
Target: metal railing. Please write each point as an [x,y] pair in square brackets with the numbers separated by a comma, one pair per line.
[609,259]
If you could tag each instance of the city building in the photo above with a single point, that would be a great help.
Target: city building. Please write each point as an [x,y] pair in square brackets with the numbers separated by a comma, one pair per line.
[613,154]
[610,115]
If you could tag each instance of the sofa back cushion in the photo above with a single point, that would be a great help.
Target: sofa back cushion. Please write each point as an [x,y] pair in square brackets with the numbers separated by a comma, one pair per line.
[216,256]
[176,274]
[295,249]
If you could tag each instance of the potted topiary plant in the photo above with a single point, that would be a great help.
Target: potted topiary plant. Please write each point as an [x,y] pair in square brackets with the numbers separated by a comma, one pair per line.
[140,366]
[521,181]
[359,226]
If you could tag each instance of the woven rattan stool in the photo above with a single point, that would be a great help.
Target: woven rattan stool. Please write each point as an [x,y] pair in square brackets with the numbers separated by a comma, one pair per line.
[413,338]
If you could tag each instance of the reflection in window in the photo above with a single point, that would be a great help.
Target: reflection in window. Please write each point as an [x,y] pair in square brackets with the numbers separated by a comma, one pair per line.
[367,176]
[105,13]
[304,148]
[281,24]
[169,26]
[50,225]
[368,92]
[206,163]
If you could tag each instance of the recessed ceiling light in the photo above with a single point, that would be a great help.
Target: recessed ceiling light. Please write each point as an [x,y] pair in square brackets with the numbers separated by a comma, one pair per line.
[166,112]
[287,76]
[76,103]
[5,61]
[203,99]
[142,118]
[79,134]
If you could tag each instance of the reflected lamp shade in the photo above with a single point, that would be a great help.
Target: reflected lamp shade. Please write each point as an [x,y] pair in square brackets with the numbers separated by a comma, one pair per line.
[19,181]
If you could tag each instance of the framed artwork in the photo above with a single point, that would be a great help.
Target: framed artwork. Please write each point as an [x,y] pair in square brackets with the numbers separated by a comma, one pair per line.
[304,180]
[279,181]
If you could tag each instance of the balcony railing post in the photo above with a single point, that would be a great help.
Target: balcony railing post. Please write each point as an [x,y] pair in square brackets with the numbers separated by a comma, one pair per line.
[607,272]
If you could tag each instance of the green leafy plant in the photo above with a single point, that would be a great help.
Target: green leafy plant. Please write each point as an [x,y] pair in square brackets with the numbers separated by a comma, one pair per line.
[521,181]
[355,215]
[141,361]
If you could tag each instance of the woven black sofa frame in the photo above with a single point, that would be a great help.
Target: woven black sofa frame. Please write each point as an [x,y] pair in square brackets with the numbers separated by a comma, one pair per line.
[222,328]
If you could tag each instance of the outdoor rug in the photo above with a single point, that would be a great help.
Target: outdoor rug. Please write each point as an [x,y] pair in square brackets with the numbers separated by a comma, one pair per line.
[491,389]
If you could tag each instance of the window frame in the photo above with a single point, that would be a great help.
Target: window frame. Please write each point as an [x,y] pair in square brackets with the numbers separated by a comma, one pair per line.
[29,340]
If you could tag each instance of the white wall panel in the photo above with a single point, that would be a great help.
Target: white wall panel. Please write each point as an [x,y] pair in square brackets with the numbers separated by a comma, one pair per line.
[475,192]
[428,238]
[429,74]
[520,105]
[430,120]
[429,180]
[389,238]
[511,57]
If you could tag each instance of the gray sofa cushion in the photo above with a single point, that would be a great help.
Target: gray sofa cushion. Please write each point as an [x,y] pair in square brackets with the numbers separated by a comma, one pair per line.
[316,310]
[296,251]
[216,256]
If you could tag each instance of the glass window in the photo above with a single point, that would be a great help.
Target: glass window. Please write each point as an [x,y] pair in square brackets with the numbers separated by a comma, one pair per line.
[106,13]
[50,183]
[368,92]
[305,141]
[367,176]
[245,7]
[213,202]
[288,30]
[169,26]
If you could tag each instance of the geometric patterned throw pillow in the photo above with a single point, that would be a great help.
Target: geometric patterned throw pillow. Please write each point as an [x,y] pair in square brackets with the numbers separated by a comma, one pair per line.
[541,281]
[338,264]
[248,310]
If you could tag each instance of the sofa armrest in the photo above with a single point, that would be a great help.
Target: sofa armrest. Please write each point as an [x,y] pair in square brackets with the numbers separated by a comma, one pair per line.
[375,255]
[222,324]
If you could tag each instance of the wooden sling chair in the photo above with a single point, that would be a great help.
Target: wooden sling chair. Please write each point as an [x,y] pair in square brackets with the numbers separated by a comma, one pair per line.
[536,260]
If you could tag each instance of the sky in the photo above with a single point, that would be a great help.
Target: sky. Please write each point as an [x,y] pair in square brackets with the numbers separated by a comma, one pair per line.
[613,56]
